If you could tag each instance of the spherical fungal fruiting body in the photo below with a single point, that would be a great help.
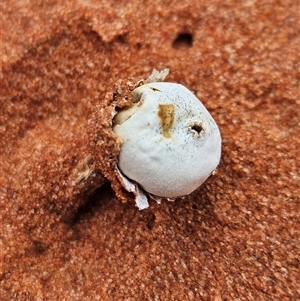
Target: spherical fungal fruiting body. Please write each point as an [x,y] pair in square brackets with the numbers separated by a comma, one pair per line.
[170,142]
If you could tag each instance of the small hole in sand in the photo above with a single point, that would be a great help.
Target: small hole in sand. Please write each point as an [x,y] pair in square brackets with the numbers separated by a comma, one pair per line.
[183,41]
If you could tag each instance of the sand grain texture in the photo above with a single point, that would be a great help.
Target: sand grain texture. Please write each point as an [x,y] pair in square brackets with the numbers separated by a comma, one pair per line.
[235,238]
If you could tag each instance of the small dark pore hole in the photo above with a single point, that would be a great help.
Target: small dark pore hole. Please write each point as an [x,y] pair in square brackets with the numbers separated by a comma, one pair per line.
[183,41]
[197,128]
[121,39]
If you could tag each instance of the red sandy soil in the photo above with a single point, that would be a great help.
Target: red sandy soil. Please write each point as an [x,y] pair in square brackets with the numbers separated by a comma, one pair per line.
[235,238]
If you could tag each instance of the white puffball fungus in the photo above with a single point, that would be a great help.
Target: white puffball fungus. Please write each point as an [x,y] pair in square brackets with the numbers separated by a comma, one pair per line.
[170,142]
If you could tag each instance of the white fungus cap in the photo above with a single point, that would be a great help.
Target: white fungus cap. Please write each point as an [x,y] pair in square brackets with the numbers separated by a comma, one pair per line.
[170,142]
